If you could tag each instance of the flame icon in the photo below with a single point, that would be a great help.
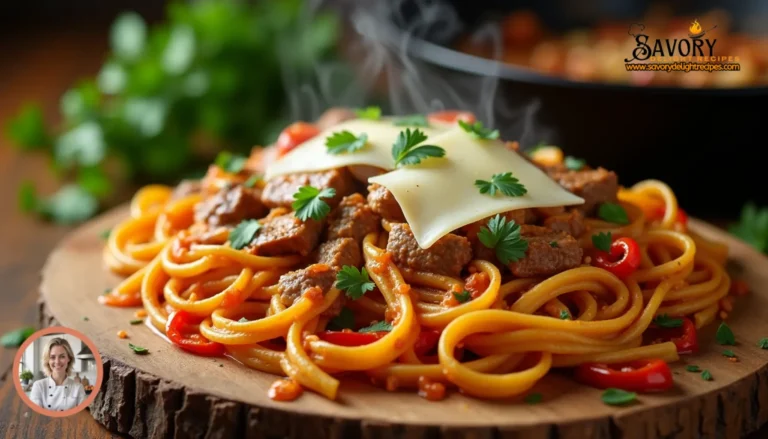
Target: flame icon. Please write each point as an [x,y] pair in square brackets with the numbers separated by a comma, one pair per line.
[695,30]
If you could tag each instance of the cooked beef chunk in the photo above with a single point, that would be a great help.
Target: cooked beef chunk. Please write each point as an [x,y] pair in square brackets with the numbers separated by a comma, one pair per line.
[447,256]
[548,253]
[185,188]
[293,284]
[352,219]
[571,222]
[279,190]
[285,234]
[340,252]
[596,186]
[384,203]
[230,205]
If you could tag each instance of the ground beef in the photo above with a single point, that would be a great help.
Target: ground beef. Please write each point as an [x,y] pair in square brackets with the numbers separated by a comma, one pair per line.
[285,234]
[447,256]
[549,252]
[230,205]
[340,252]
[571,222]
[383,203]
[353,218]
[279,190]
[293,284]
[596,186]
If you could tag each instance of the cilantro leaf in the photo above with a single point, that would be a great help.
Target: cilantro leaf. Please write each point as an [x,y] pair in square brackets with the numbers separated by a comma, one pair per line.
[728,353]
[244,233]
[665,321]
[309,203]
[533,398]
[602,241]
[138,349]
[763,343]
[344,141]
[752,227]
[27,129]
[371,113]
[478,131]
[136,321]
[15,338]
[229,162]
[252,180]
[706,375]
[693,368]
[504,183]
[724,335]
[504,236]
[613,213]
[463,296]
[613,396]
[573,163]
[416,120]
[406,152]
[565,315]
[376,327]
[354,282]
[345,320]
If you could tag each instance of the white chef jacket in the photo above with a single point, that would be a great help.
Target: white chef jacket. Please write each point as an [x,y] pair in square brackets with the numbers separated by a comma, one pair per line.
[49,396]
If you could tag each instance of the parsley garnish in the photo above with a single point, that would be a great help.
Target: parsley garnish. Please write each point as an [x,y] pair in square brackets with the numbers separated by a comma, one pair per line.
[107,291]
[665,321]
[763,343]
[85,318]
[752,226]
[554,244]
[504,183]
[602,241]
[309,203]
[15,338]
[706,375]
[724,335]
[136,321]
[693,368]
[354,282]
[478,131]
[565,315]
[105,233]
[252,180]
[371,113]
[345,320]
[613,213]
[533,398]
[244,233]
[230,163]
[463,296]
[376,327]
[138,349]
[573,163]
[728,353]
[618,397]
[416,120]
[344,141]
[504,236]
[405,151]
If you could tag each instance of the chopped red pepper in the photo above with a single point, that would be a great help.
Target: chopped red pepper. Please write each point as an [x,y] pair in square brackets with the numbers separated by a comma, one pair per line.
[636,376]
[684,337]
[623,258]
[175,329]
[426,342]
[294,135]
[451,116]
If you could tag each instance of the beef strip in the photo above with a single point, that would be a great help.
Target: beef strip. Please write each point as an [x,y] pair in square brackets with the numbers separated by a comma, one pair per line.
[384,203]
[230,205]
[339,252]
[549,252]
[285,234]
[447,256]
[293,284]
[571,222]
[278,191]
[353,218]
[596,186]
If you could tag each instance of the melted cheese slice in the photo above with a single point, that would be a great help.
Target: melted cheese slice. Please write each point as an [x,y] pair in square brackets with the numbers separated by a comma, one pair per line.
[313,155]
[439,195]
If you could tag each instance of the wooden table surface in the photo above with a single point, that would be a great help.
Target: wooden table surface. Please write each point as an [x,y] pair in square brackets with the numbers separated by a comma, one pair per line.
[40,66]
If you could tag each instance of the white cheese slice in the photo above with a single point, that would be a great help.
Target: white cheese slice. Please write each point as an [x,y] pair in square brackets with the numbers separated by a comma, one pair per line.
[439,195]
[313,155]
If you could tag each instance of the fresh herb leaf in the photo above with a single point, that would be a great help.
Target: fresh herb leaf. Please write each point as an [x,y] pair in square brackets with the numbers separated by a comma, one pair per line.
[763,343]
[416,120]
[107,291]
[252,180]
[692,368]
[105,233]
[724,335]
[613,396]
[752,227]
[613,213]
[138,349]
[554,244]
[478,131]
[573,163]
[665,321]
[354,282]
[128,36]
[728,353]
[533,398]
[406,152]
[229,162]
[504,183]
[371,113]
[27,129]
[377,327]
[242,320]
[244,233]
[565,315]
[27,197]
[15,338]
[71,204]
[602,241]
[136,321]
[309,203]
[706,375]
[344,142]
[504,236]
[345,320]
[463,296]
[85,318]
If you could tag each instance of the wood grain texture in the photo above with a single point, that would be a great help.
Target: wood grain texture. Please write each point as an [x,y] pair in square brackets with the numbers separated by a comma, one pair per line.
[171,394]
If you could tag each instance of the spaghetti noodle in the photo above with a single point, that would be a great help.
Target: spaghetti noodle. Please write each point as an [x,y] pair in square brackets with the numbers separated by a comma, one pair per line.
[488,332]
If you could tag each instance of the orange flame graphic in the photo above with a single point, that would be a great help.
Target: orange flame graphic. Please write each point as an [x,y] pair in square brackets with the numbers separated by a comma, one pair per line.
[695,27]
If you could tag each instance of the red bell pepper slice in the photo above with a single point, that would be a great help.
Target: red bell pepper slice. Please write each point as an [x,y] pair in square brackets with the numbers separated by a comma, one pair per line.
[451,116]
[636,376]
[195,343]
[684,337]
[623,258]
[294,135]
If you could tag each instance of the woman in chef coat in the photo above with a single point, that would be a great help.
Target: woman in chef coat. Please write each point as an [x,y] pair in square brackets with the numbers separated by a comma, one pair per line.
[58,391]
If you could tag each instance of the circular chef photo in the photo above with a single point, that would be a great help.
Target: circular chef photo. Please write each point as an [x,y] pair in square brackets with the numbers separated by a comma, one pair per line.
[58,371]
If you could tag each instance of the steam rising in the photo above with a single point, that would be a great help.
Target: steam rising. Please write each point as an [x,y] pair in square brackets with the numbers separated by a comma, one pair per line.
[386,72]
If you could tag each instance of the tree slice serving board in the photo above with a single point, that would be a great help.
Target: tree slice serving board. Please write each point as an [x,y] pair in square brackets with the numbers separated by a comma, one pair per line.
[169,393]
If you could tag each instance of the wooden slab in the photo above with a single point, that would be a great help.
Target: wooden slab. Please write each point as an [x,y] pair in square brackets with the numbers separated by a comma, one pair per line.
[169,393]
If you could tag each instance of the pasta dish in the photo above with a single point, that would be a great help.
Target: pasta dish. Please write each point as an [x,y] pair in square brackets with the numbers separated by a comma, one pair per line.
[419,252]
